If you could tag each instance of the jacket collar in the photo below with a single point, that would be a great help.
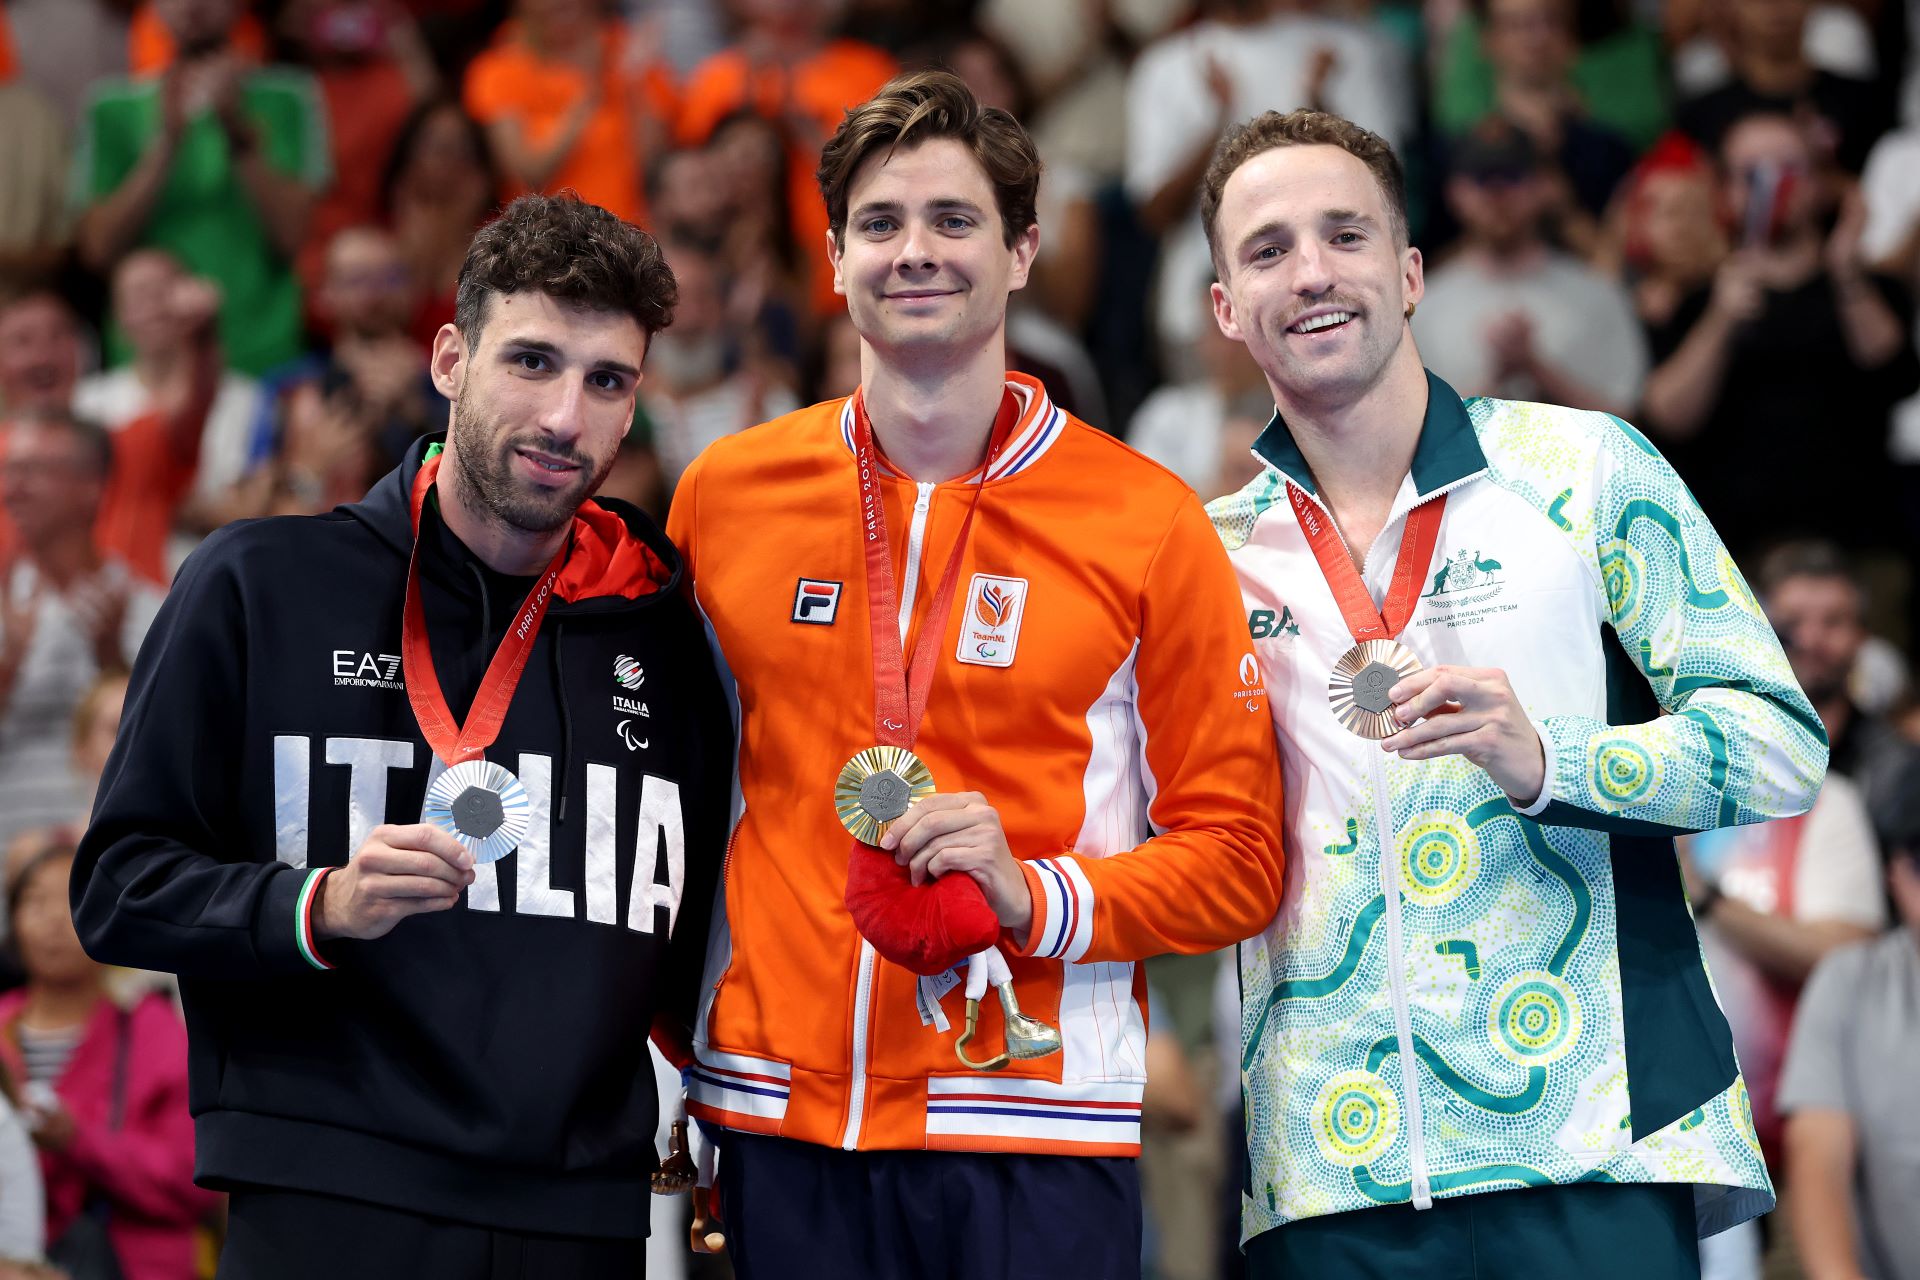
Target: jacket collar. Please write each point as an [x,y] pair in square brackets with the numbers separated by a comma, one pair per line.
[1039,425]
[1448,450]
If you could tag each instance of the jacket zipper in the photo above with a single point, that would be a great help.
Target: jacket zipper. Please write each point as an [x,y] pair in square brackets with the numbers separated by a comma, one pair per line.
[1421,1184]
[703,1018]
[1397,984]
[863,989]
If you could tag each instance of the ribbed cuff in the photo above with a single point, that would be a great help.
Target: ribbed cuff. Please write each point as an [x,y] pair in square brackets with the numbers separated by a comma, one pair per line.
[1062,908]
[303,917]
[1545,798]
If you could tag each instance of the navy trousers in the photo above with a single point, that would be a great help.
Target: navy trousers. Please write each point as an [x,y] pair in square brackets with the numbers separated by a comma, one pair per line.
[796,1211]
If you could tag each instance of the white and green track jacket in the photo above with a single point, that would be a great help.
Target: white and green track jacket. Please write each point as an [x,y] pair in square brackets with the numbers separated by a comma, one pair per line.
[1457,997]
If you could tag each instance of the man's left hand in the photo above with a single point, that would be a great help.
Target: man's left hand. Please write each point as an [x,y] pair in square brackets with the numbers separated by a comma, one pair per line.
[1471,712]
[962,832]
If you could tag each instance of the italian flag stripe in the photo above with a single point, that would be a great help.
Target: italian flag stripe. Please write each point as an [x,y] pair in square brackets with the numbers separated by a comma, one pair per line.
[303,918]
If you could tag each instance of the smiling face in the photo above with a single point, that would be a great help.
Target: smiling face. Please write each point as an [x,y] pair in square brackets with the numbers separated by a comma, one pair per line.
[925,265]
[1313,278]
[39,353]
[540,404]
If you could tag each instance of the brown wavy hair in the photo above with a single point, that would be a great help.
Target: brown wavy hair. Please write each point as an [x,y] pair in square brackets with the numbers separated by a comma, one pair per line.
[573,252]
[919,107]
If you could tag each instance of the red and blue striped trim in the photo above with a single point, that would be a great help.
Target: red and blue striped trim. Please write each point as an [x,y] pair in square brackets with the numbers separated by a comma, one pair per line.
[975,1110]
[738,1085]
[1068,929]
[1043,424]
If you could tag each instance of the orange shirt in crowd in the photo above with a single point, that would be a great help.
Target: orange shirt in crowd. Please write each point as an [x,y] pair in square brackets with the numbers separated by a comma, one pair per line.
[367,104]
[151,477]
[813,94]
[150,47]
[511,80]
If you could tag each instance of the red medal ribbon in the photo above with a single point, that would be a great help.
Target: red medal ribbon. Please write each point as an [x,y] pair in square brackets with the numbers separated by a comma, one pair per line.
[1417,541]
[453,742]
[932,927]
[900,688]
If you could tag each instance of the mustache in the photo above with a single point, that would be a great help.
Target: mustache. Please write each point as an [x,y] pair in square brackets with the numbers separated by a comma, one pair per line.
[552,448]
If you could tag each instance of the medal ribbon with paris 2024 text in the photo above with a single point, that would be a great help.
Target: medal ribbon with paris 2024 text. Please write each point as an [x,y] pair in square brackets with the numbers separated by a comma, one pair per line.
[1417,541]
[899,687]
[453,742]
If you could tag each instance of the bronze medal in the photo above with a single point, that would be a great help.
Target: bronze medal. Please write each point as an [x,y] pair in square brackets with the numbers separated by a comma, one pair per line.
[1357,689]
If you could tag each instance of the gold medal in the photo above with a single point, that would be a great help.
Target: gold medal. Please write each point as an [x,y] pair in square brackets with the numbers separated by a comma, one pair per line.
[1359,683]
[876,787]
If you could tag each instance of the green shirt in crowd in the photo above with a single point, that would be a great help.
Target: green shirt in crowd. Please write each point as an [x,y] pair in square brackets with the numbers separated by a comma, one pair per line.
[204,216]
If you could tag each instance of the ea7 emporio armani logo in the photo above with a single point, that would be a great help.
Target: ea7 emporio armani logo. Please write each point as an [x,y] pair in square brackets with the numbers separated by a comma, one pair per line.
[353,669]
[627,673]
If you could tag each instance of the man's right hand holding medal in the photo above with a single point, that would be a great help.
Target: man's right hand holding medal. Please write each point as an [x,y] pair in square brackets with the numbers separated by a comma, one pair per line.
[961,832]
[400,871]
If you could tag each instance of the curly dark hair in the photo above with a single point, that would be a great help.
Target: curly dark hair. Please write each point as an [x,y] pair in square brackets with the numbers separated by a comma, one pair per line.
[1302,128]
[916,108]
[573,252]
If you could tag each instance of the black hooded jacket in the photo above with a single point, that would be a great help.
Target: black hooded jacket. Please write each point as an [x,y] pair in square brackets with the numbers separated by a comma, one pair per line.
[486,1064]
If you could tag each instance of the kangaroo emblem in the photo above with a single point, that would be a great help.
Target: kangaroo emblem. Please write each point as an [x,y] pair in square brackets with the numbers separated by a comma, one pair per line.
[1465,570]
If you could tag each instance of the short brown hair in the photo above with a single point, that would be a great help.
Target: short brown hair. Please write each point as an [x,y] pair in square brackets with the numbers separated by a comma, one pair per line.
[1301,128]
[95,445]
[573,252]
[1808,558]
[916,108]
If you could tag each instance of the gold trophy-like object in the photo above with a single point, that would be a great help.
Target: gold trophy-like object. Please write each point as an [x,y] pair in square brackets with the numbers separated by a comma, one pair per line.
[1026,1037]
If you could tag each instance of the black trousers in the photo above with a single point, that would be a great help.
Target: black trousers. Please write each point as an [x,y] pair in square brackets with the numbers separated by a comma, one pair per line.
[294,1235]
[796,1211]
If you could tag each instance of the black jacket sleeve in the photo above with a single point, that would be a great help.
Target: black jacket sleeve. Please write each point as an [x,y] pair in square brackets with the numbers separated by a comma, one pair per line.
[165,878]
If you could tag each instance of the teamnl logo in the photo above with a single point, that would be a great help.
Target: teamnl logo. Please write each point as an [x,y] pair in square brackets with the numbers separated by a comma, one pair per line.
[353,669]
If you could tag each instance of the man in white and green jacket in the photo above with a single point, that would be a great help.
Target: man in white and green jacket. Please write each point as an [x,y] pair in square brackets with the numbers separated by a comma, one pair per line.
[1478,1042]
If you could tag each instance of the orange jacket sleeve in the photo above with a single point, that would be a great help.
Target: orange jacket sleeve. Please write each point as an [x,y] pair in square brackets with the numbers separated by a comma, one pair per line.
[1210,874]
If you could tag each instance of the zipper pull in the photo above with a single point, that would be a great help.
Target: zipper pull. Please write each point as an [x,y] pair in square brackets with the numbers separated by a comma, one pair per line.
[926,498]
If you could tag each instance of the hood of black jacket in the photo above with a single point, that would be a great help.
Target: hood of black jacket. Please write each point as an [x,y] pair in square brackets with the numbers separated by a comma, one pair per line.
[621,560]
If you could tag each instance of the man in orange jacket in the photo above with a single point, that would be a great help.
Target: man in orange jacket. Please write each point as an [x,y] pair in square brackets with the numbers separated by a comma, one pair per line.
[943,589]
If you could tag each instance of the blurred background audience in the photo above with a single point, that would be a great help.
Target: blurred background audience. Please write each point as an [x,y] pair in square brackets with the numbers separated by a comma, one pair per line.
[229,230]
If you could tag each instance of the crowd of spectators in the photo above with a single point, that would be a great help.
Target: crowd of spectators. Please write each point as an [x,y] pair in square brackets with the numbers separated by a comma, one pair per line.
[229,229]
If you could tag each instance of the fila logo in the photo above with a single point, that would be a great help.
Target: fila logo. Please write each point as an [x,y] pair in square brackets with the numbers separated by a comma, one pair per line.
[816,601]
[357,670]
[990,627]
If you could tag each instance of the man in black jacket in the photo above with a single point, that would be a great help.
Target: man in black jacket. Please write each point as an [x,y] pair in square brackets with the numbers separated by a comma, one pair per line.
[407,1062]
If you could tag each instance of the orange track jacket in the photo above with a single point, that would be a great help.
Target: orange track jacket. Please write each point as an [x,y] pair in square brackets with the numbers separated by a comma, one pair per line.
[1095,684]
